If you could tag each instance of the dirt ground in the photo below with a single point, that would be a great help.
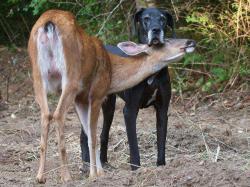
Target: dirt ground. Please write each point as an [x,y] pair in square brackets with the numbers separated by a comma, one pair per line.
[208,142]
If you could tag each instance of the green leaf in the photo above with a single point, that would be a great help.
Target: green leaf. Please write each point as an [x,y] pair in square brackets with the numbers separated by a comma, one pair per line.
[192,58]
[207,87]
[220,74]
[218,58]
[199,82]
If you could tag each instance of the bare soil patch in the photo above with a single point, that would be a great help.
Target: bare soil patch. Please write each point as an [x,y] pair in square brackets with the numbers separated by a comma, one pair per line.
[208,140]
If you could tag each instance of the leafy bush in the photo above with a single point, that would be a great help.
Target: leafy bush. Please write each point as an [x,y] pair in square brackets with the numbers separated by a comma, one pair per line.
[222,31]
[101,17]
[221,28]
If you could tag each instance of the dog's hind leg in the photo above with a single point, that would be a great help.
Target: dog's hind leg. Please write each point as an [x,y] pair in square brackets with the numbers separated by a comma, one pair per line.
[108,108]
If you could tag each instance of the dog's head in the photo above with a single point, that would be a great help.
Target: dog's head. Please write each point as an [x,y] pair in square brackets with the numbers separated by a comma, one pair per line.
[151,23]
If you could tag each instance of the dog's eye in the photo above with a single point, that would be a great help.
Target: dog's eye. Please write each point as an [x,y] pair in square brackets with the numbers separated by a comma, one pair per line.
[146,19]
[162,20]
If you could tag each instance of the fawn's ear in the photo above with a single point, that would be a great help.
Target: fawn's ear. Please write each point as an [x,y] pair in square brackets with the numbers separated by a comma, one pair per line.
[133,49]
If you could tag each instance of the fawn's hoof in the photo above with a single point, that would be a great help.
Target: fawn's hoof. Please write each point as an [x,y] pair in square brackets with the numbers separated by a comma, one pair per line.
[40,179]
[100,172]
[92,176]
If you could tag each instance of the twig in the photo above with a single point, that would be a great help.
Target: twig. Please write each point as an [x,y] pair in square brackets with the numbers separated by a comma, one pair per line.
[217,140]
[205,143]
[175,12]
[7,87]
[187,69]
[116,145]
[200,63]
[234,75]
[237,20]
[8,27]
[217,153]
[61,2]
[99,15]
[110,14]
[5,30]
[25,23]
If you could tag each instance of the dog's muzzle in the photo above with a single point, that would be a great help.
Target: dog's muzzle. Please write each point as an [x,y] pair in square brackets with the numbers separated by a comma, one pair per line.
[155,37]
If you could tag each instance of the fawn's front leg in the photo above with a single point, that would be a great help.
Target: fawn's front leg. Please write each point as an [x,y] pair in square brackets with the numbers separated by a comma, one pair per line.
[93,114]
[88,113]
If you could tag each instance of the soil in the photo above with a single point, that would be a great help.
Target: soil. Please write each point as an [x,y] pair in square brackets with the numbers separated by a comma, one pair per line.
[208,142]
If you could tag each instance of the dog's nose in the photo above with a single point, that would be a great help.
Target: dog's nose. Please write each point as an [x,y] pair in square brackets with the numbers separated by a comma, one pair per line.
[156,30]
[191,43]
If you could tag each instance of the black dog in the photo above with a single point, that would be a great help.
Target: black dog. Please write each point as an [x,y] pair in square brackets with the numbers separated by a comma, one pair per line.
[150,24]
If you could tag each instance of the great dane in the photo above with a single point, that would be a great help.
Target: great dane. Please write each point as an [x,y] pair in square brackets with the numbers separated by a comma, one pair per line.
[150,25]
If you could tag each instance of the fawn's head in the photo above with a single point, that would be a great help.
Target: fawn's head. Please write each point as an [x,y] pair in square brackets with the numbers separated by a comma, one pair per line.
[172,50]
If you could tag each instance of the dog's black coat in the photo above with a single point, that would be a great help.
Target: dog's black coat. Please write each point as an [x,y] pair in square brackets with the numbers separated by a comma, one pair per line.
[140,95]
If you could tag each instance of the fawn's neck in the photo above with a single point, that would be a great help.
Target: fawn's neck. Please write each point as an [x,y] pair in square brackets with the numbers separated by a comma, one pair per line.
[129,71]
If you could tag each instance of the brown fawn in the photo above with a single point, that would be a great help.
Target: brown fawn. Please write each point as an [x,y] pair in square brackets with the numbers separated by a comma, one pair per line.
[66,60]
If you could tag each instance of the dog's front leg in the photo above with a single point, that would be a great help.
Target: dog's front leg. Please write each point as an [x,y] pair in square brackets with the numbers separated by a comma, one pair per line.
[161,106]
[161,126]
[130,115]
[130,111]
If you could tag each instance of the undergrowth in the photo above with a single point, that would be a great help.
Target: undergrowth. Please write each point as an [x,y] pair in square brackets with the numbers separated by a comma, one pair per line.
[221,29]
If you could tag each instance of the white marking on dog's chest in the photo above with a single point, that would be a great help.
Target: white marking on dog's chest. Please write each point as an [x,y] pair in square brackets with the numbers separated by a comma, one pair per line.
[153,97]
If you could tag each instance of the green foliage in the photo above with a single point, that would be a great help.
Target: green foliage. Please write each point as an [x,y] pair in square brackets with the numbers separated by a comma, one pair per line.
[244,71]
[221,29]
[191,58]
[38,5]
[95,16]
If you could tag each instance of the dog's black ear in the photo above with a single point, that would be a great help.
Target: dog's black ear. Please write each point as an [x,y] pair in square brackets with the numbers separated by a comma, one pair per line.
[170,21]
[138,14]
[136,19]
